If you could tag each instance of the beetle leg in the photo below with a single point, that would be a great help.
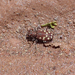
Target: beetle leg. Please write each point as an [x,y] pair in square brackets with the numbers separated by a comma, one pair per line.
[33,39]
[35,42]
[39,27]
[30,44]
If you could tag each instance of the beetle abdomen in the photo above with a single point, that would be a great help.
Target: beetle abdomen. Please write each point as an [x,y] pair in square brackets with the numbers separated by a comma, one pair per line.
[44,35]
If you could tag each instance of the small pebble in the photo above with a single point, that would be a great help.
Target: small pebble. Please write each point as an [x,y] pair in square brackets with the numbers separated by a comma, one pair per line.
[61,54]
[33,8]
[70,22]
[56,18]
[8,26]
[35,23]
[67,25]
[10,63]
[18,29]
[3,30]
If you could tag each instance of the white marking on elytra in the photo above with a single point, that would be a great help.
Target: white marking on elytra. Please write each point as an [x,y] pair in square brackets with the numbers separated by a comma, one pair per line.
[46,35]
[51,37]
[48,38]
[39,37]
[49,32]
[43,38]
[44,30]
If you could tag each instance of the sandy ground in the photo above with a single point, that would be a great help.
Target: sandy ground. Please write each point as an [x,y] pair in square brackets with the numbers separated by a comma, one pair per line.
[16,55]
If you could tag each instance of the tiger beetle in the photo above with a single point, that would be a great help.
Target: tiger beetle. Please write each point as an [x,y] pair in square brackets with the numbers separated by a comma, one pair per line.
[41,35]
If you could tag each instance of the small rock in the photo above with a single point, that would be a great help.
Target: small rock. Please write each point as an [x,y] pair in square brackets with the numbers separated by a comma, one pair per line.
[67,25]
[35,23]
[56,18]
[3,30]
[8,26]
[70,22]
[18,29]
[10,63]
